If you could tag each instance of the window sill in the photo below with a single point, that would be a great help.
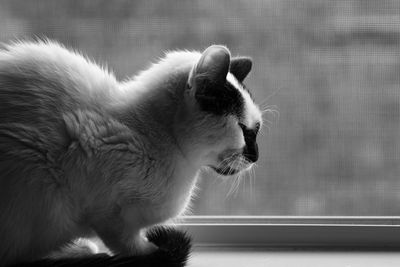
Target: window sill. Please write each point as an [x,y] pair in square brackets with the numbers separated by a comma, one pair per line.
[365,233]
[294,241]
[237,257]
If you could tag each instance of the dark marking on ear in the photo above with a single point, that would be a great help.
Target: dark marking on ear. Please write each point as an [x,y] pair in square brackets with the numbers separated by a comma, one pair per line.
[212,90]
[223,101]
[240,67]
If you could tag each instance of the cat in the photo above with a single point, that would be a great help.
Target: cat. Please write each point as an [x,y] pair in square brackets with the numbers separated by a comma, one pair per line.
[82,153]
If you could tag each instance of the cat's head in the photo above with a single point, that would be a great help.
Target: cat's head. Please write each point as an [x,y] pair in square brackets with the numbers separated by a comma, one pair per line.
[224,118]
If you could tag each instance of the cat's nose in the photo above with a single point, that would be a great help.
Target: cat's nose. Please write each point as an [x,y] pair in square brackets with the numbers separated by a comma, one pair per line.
[250,152]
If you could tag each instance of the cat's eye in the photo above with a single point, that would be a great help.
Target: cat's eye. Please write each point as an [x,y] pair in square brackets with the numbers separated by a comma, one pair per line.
[257,127]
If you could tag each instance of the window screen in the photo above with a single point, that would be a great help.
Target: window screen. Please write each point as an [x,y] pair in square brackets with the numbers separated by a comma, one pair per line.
[327,74]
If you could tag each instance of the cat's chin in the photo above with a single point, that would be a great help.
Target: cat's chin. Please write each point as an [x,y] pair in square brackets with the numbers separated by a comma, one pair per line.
[225,171]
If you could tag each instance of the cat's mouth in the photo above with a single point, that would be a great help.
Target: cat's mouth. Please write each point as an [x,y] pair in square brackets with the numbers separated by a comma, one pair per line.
[225,171]
[231,164]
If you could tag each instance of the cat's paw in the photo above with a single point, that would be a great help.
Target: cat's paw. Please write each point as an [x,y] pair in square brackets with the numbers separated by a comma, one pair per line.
[143,246]
[79,248]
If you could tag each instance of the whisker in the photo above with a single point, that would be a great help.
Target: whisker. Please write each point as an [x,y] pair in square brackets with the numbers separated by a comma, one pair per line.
[252,179]
[224,164]
[267,121]
[275,113]
[235,183]
[244,178]
[224,168]
[225,161]
[235,187]
[272,94]
[269,109]
[250,183]
[267,127]
[239,178]
[232,186]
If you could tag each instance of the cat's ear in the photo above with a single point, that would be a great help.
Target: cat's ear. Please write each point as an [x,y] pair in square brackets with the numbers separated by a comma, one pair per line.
[209,74]
[240,67]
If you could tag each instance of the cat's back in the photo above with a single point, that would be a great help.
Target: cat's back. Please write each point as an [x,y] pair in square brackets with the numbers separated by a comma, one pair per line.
[43,86]
[45,79]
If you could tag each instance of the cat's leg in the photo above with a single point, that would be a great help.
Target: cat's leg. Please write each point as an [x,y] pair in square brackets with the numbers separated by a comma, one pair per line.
[78,248]
[127,242]
[124,236]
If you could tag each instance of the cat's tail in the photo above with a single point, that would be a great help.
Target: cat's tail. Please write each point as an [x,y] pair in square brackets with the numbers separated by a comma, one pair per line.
[174,251]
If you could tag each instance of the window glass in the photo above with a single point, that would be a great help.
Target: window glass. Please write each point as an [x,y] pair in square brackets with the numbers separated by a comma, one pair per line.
[330,68]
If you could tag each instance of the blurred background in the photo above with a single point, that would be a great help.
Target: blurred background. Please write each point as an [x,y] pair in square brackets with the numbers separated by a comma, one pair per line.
[331,69]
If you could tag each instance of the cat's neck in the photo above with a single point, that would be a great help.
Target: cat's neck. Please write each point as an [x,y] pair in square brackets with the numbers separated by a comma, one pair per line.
[152,110]
[161,79]
[149,103]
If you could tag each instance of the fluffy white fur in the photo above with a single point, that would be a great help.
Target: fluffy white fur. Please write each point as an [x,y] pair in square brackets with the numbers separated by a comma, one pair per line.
[81,153]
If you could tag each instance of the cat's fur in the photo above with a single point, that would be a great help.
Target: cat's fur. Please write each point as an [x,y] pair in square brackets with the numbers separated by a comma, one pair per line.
[82,153]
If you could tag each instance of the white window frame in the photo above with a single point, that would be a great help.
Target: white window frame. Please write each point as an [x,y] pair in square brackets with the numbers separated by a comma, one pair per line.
[295,232]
